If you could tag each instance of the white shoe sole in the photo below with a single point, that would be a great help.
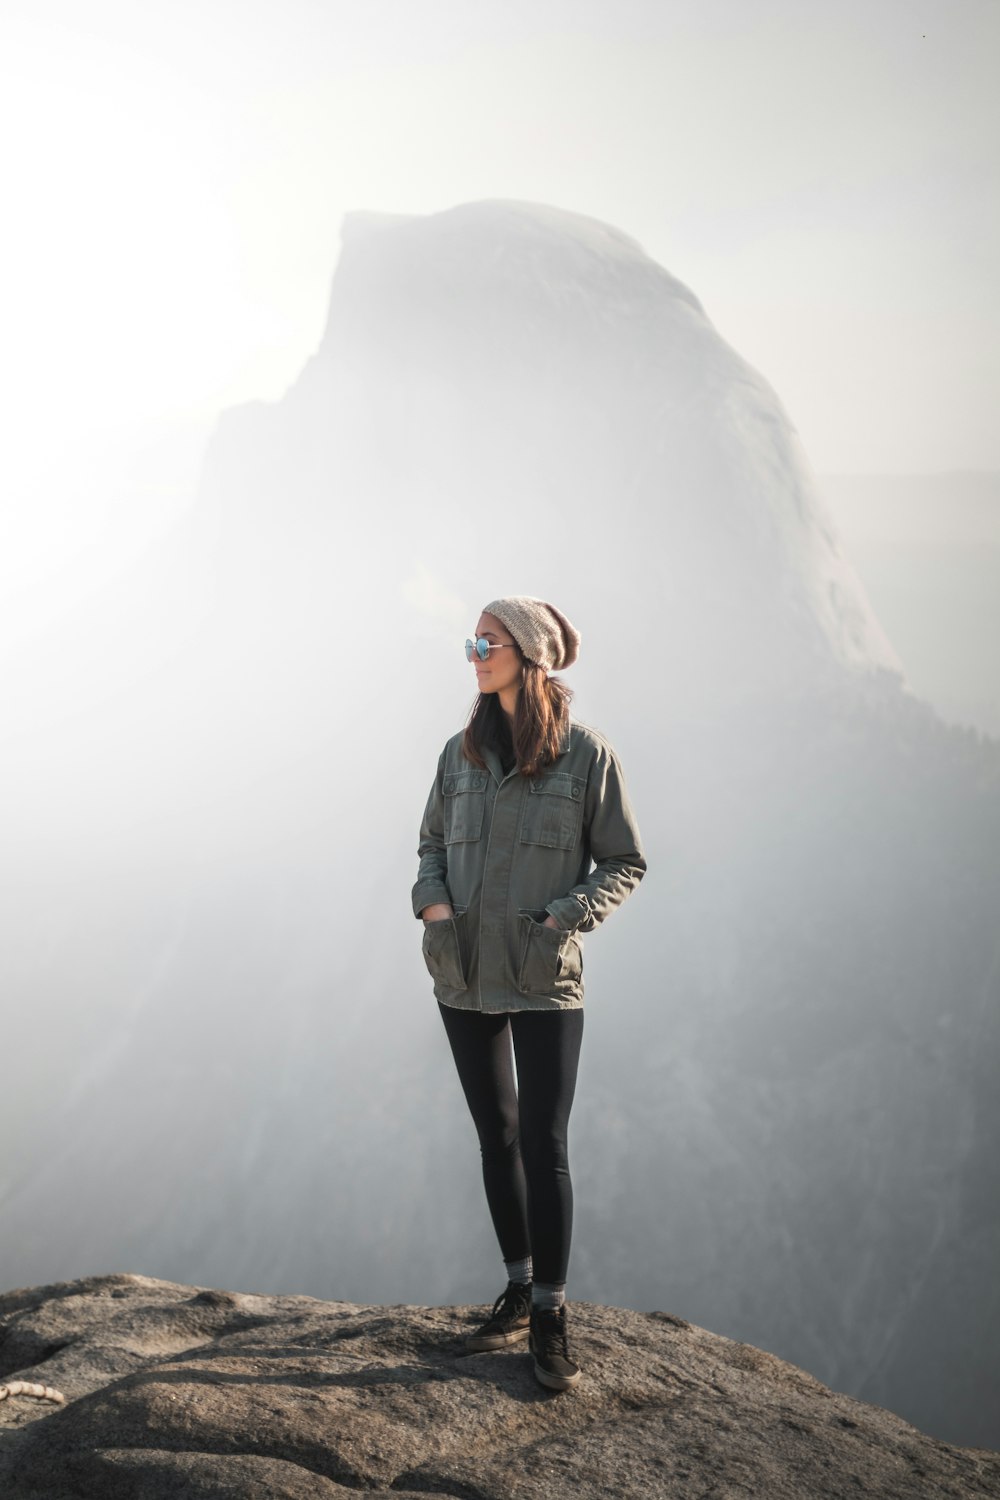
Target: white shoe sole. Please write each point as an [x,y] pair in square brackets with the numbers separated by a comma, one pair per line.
[556,1382]
[493,1341]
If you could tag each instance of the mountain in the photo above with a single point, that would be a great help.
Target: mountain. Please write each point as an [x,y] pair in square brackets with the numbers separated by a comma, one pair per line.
[228,1065]
[927,547]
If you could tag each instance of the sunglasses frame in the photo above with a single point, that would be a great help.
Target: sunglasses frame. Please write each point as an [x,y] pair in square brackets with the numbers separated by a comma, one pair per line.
[472,647]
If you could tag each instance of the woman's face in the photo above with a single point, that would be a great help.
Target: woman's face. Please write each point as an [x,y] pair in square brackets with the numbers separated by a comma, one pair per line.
[501,669]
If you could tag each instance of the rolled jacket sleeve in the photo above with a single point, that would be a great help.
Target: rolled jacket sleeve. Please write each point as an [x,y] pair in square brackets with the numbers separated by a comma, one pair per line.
[431,883]
[615,847]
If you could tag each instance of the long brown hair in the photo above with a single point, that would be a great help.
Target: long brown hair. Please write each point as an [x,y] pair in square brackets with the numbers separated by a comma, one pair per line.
[540,718]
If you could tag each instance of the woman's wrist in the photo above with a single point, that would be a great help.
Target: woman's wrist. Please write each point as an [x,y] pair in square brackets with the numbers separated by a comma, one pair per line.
[440,911]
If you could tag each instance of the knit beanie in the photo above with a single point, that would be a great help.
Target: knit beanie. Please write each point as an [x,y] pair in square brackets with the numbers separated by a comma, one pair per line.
[544,634]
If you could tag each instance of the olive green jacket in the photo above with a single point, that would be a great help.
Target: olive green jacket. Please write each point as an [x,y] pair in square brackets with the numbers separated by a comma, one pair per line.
[506,850]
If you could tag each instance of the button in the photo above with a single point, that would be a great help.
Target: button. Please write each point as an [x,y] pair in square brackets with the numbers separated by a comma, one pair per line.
[576,791]
[449,786]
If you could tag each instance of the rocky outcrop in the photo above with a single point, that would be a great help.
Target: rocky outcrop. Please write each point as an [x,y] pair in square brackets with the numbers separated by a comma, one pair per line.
[176,1390]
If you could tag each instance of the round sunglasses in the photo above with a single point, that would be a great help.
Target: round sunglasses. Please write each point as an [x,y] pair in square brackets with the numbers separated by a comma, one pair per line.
[481,647]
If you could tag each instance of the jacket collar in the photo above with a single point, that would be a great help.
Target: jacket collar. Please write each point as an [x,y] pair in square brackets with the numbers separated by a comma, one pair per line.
[493,760]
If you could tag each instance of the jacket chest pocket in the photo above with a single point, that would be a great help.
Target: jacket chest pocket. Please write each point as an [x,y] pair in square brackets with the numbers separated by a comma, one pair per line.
[553,811]
[464,806]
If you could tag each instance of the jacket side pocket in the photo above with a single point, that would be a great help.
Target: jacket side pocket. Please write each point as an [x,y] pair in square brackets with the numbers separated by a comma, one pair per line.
[551,958]
[443,950]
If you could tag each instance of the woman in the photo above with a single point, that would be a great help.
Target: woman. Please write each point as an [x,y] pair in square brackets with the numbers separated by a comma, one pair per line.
[528,841]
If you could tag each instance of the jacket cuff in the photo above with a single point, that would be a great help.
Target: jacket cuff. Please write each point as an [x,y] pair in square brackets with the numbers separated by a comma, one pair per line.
[569,911]
[429,895]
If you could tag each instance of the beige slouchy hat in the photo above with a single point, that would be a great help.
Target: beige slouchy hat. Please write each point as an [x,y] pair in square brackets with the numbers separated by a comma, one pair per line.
[542,632]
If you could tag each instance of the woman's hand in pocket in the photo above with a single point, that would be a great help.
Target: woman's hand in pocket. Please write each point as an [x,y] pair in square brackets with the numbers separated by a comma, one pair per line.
[440,912]
[550,921]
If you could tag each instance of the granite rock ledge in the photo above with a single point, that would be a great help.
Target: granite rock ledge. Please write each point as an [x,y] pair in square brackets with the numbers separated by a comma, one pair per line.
[187,1391]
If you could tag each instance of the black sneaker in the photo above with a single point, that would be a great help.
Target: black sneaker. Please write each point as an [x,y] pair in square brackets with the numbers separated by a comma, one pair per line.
[508,1323]
[553,1366]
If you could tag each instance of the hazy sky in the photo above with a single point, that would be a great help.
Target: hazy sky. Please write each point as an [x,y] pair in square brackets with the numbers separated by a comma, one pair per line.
[823,176]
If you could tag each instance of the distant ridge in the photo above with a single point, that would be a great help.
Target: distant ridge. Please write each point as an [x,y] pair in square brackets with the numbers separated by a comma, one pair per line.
[927,548]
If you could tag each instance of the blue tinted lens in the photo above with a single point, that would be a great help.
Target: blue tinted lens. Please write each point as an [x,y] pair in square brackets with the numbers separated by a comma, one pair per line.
[469,648]
[482,648]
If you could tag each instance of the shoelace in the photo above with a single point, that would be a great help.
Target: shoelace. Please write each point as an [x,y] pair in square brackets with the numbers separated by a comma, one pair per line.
[552,1335]
[511,1303]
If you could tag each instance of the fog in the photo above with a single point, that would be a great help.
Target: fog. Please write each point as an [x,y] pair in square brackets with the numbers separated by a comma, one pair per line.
[927,548]
[225,1065]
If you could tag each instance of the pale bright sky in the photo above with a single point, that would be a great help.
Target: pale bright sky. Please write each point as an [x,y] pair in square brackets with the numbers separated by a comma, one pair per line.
[824,177]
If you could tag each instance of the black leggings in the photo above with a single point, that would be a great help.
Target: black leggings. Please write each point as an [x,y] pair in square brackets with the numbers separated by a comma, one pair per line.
[522,1130]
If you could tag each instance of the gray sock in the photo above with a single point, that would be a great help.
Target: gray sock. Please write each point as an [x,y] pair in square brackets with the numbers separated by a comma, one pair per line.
[519,1271]
[548,1295]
